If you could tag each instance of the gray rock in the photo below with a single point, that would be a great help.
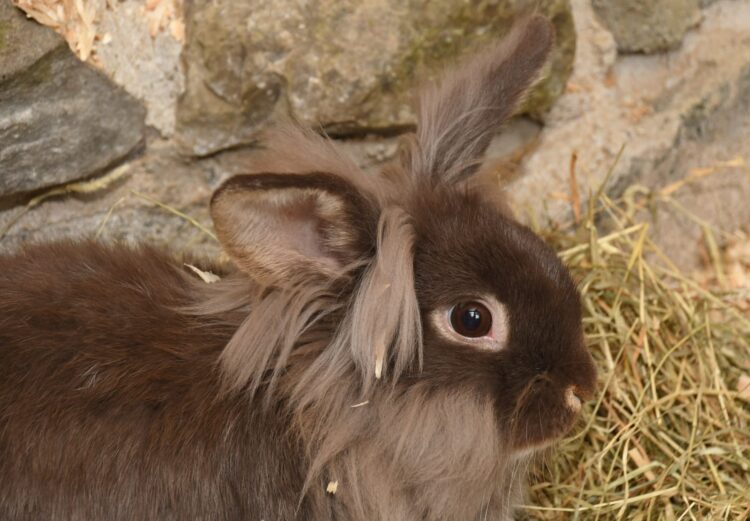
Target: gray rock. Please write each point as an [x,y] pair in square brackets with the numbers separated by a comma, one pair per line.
[348,65]
[718,146]
[60,120]
[22,42]
[648,25]
[148,68]
[125,210]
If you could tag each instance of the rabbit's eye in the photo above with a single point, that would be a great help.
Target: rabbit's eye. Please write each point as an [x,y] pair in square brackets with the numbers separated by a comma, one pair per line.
[480,322]
[471,319]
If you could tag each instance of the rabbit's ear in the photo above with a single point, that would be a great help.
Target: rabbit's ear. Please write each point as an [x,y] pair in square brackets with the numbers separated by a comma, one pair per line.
[459,115]
[277,227]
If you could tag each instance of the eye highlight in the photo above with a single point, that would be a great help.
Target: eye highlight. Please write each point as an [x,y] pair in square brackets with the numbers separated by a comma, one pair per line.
[471,319]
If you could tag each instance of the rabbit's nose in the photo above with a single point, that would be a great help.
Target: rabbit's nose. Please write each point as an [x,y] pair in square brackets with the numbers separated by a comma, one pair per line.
[572,400]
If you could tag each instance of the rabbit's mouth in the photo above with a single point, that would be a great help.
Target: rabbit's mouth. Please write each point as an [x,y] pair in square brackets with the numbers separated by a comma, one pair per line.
[544,414]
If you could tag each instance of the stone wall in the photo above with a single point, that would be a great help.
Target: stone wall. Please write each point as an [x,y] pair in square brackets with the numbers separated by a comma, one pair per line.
[152,104]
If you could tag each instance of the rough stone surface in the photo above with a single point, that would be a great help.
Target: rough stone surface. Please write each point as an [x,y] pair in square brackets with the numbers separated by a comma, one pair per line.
[21,42]
[59,119]
[348,65]
[116,213]
[148,68]
[714,142]
[648,25]
[681,114]
[671,112]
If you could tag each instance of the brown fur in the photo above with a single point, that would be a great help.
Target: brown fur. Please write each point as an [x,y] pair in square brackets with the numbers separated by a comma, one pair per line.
[458,117]
[109,399]
[130,389]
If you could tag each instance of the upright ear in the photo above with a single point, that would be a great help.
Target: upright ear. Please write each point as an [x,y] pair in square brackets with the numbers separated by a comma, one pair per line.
[277,227]
[459,115]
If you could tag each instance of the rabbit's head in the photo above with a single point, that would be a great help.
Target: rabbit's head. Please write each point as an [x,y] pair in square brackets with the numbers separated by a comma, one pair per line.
[415,276]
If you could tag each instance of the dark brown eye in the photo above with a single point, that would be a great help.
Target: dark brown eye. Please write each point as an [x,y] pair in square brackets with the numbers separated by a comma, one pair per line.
[471,319]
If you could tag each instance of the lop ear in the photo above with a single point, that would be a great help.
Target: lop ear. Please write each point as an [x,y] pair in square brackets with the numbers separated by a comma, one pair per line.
[459,115]
[277,227]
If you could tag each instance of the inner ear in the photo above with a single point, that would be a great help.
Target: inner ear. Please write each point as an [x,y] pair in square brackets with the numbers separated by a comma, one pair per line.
[277,227]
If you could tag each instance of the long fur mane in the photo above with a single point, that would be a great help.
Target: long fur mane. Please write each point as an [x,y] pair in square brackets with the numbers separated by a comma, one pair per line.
[333,351]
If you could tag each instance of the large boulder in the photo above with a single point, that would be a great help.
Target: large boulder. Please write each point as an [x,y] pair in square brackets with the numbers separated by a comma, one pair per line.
[648,25]
[60,120]
[350,66]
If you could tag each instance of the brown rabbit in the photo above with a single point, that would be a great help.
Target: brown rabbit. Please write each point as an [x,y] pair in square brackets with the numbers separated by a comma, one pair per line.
[389,348]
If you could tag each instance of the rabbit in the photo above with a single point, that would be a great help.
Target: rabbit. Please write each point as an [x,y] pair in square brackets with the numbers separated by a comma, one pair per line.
[389,347]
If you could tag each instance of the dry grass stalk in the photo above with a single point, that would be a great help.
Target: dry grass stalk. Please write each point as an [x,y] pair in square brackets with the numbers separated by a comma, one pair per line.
[575,198]
[178,213]
[75,20]
[205,276]
[77,187]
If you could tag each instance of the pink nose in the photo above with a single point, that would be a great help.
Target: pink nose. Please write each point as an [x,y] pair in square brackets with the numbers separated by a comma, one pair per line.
[571,399]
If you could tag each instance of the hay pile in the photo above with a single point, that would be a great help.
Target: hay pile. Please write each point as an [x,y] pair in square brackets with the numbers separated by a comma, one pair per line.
[669,435]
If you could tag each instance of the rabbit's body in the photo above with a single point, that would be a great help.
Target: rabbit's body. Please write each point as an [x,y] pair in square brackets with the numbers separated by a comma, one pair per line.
[109,397]
[112,407]
[389,348]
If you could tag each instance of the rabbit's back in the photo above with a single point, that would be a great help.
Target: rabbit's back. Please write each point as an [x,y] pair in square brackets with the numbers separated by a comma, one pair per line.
[110,405]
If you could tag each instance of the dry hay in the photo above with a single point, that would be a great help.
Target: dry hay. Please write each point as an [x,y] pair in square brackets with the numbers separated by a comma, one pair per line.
[668,436]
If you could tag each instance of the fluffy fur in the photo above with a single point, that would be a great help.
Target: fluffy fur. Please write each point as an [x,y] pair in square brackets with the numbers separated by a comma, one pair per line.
[130,389]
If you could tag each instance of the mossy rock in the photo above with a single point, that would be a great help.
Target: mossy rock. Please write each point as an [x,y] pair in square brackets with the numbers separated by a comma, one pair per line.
[648,26]
[349,66]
